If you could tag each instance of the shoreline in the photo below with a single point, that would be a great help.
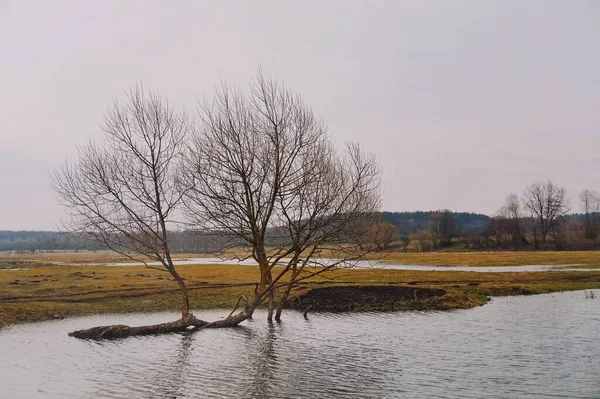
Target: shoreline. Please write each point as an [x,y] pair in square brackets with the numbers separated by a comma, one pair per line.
[46,292]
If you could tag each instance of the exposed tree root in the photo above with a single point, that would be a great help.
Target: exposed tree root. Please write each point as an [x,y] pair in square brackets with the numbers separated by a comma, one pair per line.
[306,312]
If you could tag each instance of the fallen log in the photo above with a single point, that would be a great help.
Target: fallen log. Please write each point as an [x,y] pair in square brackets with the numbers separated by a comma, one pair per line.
[189,323]
[122,331]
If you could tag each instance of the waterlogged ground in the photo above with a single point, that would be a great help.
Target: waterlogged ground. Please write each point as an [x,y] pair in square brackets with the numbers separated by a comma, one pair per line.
[590,259]
[367,264]
[516,347]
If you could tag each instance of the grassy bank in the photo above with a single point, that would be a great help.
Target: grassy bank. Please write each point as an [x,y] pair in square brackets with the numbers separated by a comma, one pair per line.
[80,257]
[48,291]
[591,259]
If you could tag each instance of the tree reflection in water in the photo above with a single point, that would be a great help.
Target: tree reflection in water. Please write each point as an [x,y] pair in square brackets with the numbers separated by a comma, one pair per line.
[263,361]
[170,380]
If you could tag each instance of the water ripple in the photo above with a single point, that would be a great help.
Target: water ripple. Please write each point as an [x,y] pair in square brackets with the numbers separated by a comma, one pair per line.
[518,347]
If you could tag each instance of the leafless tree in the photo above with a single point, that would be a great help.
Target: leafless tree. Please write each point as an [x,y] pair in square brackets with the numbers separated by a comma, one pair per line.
[500,227]
[547,205]
[443,227]
[263,170]
[507,222]
[590,205]
[424,239]
[122,191]
[404,242]
[381,234]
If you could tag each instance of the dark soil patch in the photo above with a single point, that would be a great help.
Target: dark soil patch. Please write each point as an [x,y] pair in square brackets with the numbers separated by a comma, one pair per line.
[522,291]
[360,298]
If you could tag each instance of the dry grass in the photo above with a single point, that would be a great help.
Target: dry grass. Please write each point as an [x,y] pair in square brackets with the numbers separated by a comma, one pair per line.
[507,258]
[46,291]
[591,259]
[81,257]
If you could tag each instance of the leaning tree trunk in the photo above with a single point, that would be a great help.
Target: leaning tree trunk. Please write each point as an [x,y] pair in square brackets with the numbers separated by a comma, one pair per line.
[185,300]
[190,323]
[234,319]
[266,279]
[123,331]
[286,293]
[270,307]
[279,309]
[283,300]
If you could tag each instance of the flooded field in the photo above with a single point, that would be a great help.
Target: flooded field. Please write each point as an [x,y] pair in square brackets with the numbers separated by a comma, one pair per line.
[517,347]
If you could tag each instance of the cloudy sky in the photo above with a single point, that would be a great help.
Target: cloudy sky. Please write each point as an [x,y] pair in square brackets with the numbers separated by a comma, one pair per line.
[462,102]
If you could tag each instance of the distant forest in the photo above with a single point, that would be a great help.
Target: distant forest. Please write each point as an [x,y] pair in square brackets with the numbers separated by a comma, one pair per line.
[470,230]
[31,241]
[409,223]
[41,241]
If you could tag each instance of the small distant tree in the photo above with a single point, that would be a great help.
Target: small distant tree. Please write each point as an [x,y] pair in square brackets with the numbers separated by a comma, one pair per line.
[590,205]
[547,205]
[443,227]
[404,242]
[506,224]
[512,209]
[381,235]
[567,235]
[424,239]
[500,227]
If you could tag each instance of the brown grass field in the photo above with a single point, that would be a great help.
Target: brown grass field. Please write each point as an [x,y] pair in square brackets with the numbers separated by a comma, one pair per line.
[34,289]
[591,259]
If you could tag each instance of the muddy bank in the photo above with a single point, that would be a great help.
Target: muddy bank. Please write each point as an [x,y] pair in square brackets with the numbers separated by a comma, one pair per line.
[362,298]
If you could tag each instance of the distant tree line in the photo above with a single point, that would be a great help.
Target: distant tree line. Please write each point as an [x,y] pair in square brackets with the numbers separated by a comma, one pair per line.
[408,223]
[31,241]
[433,230]
[394,230]
[538,219]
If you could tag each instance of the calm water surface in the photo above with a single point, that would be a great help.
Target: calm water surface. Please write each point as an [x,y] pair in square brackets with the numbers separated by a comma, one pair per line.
[363,264]
[516,347]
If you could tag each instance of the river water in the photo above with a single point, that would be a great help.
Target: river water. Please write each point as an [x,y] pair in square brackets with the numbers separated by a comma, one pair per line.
[362,264]
[515,347]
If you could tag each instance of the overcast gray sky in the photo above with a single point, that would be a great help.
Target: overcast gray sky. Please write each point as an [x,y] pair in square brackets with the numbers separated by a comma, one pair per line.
[462,102]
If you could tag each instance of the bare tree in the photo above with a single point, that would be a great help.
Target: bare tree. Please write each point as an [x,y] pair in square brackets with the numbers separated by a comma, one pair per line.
[507,222]
[500,227]
[547,205]
[590,205]
[424,239]
[122,191]
[381,234]
[404,242]
[264,171]
[443,227]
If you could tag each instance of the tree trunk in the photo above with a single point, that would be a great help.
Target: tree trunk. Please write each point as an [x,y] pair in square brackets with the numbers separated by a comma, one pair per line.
[284,298]
[279,311]
[535,234]
[234,319]
[185,300]
[265,281]
[270,307]
[543,229]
